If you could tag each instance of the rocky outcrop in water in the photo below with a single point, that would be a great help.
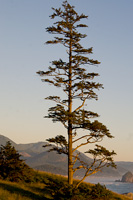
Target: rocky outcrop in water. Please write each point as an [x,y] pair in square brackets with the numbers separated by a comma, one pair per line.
[128,177]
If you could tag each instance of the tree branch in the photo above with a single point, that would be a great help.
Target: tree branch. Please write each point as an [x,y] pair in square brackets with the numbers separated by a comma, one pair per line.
[80,105]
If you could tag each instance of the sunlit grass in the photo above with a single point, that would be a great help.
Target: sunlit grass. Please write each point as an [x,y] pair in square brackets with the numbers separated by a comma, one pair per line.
[22,191]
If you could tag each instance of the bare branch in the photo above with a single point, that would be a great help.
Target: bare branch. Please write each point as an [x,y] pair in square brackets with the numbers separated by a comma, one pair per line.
[81,105]
[88,142]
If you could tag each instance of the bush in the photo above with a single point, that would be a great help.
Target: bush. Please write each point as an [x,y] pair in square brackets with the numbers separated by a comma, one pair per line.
[63,191]
[100,192]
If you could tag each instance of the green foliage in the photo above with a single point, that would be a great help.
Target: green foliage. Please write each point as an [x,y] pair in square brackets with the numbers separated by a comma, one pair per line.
[60,142]
[12,167]
[100,192]
[60,190]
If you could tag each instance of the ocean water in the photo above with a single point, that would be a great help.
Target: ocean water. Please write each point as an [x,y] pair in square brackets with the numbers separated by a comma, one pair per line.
[110,184]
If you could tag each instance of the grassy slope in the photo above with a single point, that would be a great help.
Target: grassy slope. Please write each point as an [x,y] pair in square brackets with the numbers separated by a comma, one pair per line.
[19,191]
[35,191]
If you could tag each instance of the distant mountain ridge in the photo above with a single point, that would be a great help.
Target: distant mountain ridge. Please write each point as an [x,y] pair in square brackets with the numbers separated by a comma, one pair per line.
[4,139]
[37,157]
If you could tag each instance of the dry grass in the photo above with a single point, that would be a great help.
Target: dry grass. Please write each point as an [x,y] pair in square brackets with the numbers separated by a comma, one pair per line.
[19,191]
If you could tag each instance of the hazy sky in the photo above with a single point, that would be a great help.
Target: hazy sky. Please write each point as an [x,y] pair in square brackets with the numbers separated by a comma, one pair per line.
[22,53]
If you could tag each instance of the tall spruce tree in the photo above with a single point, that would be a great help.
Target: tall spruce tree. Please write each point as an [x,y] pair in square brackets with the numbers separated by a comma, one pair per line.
[77,84]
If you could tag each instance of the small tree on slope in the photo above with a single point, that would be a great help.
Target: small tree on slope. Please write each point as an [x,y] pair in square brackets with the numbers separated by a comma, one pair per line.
[77,84]
[13,168]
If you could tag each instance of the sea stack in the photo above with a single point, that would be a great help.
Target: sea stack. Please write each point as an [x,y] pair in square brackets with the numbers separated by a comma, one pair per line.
[128,177]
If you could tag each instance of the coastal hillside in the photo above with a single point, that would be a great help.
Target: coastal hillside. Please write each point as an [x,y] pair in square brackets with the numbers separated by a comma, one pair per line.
[46,188]
[37,157]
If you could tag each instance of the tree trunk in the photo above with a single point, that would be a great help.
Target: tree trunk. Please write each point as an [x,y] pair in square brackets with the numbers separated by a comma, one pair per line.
[70,165]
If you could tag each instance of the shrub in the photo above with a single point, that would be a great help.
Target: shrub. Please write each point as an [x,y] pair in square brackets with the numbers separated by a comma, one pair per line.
[61,190]
[64,192]
[100,192]
[13,168]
